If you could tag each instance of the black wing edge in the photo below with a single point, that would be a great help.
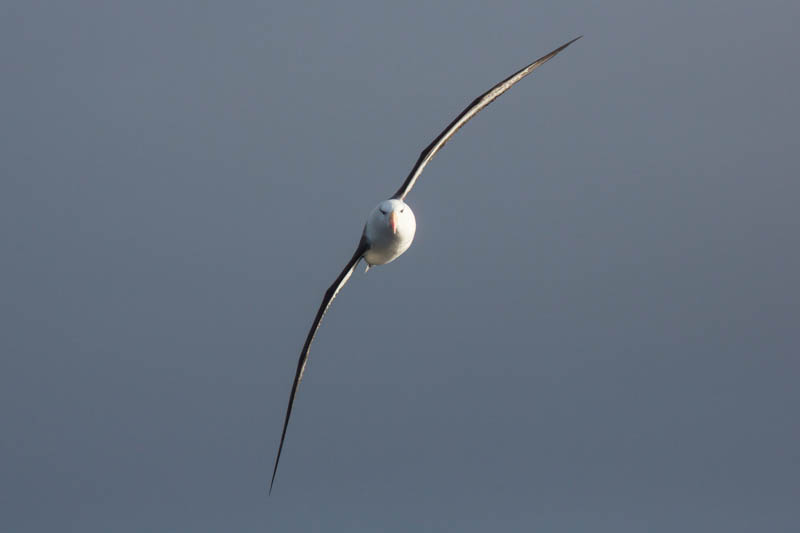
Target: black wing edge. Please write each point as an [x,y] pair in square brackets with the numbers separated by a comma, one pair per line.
[330,294]
[451,128]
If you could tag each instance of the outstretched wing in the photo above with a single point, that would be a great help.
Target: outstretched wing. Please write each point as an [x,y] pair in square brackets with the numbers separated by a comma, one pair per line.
[471,110]
[330,294]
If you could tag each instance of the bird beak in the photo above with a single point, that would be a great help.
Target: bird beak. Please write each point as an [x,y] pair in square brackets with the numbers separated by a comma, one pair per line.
[393,221]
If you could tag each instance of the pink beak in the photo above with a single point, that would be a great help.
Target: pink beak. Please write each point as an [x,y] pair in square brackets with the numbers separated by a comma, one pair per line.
[393,221]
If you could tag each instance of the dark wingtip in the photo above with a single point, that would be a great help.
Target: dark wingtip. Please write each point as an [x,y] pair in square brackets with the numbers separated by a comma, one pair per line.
[277,460]
[551,55]
[567,44]
[275,470]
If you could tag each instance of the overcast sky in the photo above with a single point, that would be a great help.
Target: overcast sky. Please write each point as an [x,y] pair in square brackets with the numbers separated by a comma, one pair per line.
[596,328]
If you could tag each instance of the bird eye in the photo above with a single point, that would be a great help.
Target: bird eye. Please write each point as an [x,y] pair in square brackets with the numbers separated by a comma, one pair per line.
[402,209]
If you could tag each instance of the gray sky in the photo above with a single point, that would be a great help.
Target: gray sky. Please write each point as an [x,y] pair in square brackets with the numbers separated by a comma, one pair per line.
[596,328]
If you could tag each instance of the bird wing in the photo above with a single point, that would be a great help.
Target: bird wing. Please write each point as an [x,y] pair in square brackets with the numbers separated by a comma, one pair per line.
[472,109]
[330,294]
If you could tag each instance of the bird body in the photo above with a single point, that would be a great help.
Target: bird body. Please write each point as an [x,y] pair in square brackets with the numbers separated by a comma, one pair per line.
[390,227]
[389,232]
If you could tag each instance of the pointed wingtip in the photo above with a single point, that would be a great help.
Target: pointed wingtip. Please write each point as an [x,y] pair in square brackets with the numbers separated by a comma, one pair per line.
[275,471]
[551,55]
[569,43]
[271,483]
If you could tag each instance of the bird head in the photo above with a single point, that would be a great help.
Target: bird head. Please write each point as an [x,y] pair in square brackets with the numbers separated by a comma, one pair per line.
[395,215]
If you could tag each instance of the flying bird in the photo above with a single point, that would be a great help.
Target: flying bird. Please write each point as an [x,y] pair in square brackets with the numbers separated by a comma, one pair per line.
[390,227]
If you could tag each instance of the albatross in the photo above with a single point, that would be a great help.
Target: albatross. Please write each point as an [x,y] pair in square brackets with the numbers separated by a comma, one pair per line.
[390,227]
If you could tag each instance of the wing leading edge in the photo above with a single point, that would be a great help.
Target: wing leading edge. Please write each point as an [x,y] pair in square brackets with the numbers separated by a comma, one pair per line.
[472,109]
[330,294]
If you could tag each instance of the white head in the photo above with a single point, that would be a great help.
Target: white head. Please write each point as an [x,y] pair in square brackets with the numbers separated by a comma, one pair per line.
[396,216]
